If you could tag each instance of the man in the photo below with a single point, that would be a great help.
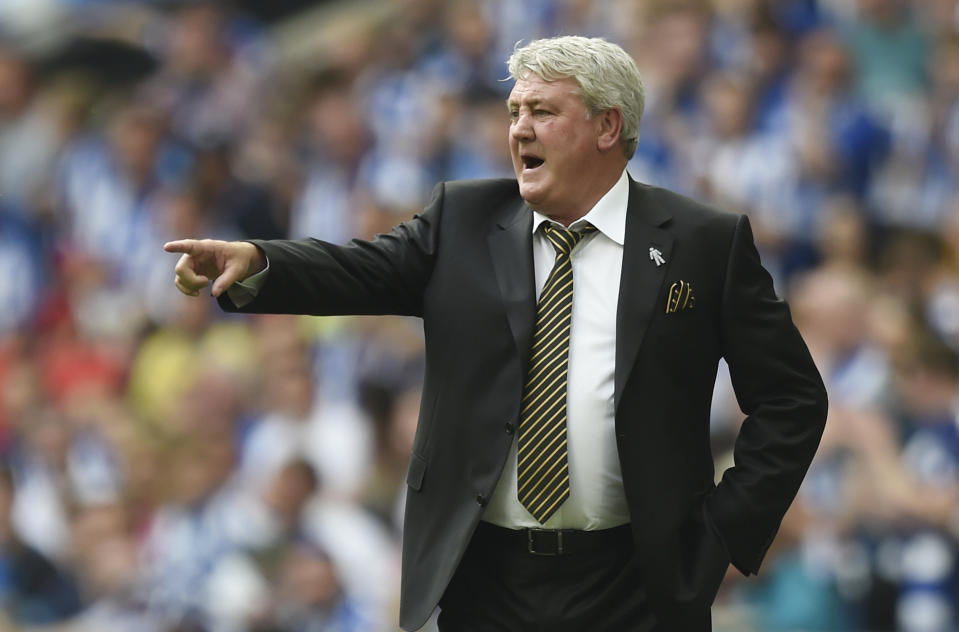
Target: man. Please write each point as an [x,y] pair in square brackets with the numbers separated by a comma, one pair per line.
[561,477]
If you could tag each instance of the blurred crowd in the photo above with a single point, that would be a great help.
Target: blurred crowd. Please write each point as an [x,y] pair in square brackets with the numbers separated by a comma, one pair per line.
[166,467]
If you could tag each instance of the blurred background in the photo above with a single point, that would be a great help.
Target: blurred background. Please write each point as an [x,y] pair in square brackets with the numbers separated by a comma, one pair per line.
[167,467]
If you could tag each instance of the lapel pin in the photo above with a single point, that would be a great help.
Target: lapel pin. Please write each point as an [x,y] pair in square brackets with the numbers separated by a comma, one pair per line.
[656,256]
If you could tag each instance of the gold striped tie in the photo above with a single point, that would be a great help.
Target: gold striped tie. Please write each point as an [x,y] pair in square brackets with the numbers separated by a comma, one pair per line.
[542,467]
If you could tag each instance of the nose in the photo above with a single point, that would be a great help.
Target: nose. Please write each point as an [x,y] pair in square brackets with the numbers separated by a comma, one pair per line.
[521,129]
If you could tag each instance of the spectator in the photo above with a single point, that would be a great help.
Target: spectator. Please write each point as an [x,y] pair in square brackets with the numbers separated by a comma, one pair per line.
[33,591]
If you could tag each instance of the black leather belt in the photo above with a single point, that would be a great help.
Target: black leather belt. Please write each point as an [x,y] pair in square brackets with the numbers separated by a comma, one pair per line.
[552,542]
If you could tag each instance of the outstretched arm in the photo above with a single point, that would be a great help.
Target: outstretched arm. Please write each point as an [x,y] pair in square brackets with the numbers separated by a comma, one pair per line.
[387,275]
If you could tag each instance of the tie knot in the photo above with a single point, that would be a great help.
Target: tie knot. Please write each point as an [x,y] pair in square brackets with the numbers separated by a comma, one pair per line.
[564,239]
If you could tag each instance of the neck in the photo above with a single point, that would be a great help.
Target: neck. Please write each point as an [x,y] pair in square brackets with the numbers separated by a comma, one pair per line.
[579,208]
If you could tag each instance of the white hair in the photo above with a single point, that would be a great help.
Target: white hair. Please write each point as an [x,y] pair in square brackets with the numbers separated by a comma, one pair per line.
[606,75]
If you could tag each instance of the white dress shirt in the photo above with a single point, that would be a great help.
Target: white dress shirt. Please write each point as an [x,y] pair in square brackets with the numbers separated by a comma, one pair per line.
[596,497]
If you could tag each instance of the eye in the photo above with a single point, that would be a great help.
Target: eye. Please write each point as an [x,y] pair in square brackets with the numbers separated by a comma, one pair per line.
[513,115]
[541,113]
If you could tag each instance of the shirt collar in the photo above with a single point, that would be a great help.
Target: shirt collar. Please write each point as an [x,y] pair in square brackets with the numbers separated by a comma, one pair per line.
[608,216]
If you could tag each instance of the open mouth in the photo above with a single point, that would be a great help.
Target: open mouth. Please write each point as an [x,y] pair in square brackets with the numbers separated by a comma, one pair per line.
[531,162]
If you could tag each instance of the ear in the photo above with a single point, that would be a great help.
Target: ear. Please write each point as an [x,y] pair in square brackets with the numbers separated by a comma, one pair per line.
[610,123]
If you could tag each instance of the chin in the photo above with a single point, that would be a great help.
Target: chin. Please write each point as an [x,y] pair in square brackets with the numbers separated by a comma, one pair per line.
[532,201]
[530,194]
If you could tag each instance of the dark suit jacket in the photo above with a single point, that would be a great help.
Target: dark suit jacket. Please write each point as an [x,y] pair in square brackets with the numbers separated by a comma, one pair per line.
[465,266]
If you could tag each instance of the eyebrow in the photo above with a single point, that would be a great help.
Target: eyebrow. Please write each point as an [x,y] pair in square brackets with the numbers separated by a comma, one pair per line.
[532,102]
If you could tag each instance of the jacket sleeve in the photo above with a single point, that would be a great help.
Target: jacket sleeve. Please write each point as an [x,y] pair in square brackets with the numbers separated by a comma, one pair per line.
[387,275]
[781,392]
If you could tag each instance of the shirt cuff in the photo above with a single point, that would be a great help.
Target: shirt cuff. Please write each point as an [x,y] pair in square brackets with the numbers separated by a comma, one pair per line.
[243,292]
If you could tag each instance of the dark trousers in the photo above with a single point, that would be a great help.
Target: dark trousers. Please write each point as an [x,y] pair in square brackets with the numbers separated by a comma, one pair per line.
[504,588]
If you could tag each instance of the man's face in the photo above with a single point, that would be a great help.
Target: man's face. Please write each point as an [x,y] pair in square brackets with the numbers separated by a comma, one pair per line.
[553,145]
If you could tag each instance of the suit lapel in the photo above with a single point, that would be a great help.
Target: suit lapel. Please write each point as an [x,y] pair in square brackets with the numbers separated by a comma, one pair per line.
[511,249]
[641,281]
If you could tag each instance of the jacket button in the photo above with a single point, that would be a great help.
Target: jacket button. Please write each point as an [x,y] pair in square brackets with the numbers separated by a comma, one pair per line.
[481,500]
[509,428]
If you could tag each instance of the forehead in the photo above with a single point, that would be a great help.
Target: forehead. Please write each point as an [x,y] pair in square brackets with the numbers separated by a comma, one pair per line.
[533,89]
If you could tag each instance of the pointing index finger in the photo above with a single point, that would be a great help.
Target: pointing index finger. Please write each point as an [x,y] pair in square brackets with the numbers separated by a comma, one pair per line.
[185,246]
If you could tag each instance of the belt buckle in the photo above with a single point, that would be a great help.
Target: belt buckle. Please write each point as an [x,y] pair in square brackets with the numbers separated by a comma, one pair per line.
[531,544]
